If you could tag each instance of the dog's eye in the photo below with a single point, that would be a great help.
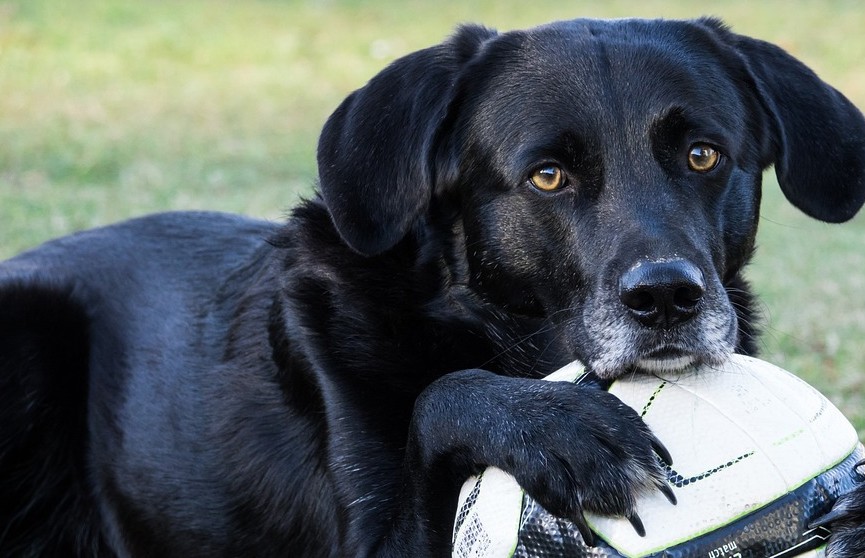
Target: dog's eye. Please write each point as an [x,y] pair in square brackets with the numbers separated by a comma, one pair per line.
[548,178]
[703,158]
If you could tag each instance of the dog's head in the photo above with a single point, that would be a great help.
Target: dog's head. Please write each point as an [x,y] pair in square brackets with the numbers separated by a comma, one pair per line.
[606,174]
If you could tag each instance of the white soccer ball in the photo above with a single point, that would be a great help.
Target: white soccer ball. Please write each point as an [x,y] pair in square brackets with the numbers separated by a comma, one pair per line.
[758,455]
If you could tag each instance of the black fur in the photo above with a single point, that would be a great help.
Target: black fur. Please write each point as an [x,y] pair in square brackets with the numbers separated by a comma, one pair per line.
[195,384]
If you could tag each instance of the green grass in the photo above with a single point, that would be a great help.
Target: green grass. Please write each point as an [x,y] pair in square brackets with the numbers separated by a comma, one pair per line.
[110,109]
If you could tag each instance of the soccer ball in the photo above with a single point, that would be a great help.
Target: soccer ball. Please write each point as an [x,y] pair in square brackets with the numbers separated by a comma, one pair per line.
[758,455]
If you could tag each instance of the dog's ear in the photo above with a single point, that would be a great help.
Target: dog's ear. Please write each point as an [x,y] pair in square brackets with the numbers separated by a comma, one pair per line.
[376,153]
[818,136]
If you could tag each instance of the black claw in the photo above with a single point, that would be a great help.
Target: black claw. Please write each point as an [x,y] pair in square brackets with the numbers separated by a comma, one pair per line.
[859,469]
[662,451]
[637,524]
[668,492]
[583,528]
[831,517]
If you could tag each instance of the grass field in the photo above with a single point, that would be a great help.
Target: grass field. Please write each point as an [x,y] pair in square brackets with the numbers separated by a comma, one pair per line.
[110,109]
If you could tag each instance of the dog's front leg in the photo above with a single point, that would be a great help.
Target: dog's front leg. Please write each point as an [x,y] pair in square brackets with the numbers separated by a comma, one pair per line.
[572,448]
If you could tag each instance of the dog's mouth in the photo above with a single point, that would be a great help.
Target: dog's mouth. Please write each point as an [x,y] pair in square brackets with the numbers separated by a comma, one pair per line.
[666,359]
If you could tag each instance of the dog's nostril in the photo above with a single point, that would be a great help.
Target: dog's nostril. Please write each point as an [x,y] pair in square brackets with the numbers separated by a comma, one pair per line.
[640,300]
[662,294]
[688,296]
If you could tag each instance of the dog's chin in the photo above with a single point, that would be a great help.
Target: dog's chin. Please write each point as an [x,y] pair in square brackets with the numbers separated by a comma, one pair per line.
[665,364]
[659,363]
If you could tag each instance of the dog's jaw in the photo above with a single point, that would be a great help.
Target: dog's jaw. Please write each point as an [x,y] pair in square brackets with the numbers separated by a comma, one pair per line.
[666,364]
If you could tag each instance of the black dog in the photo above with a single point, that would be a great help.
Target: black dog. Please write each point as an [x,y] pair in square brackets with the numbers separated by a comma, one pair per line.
[490,209]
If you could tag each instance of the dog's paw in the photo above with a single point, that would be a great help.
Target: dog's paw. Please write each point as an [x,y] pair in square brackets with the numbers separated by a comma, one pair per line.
[847,521]
[572,448]
[590,452]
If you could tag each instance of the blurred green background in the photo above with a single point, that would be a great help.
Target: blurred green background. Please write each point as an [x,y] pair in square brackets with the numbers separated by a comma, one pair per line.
[110,109]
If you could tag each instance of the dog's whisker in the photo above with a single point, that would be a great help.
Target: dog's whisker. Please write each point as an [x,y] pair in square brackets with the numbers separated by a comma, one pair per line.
[517,344]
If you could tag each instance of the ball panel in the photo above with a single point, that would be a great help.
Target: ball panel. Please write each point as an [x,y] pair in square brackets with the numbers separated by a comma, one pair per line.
[767,436]
[824,426]
[544,536]
[488,519]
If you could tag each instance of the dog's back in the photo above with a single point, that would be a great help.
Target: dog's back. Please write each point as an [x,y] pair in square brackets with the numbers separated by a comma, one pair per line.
[73,311]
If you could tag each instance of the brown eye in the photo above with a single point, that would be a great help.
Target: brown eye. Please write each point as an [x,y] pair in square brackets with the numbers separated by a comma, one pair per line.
[703,158]
[548,178]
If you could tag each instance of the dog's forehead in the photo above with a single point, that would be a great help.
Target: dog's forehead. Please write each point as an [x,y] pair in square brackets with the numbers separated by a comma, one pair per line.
[602,73]
[623,56]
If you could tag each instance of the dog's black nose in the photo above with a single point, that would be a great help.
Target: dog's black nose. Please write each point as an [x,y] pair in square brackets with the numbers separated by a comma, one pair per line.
[662,293]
